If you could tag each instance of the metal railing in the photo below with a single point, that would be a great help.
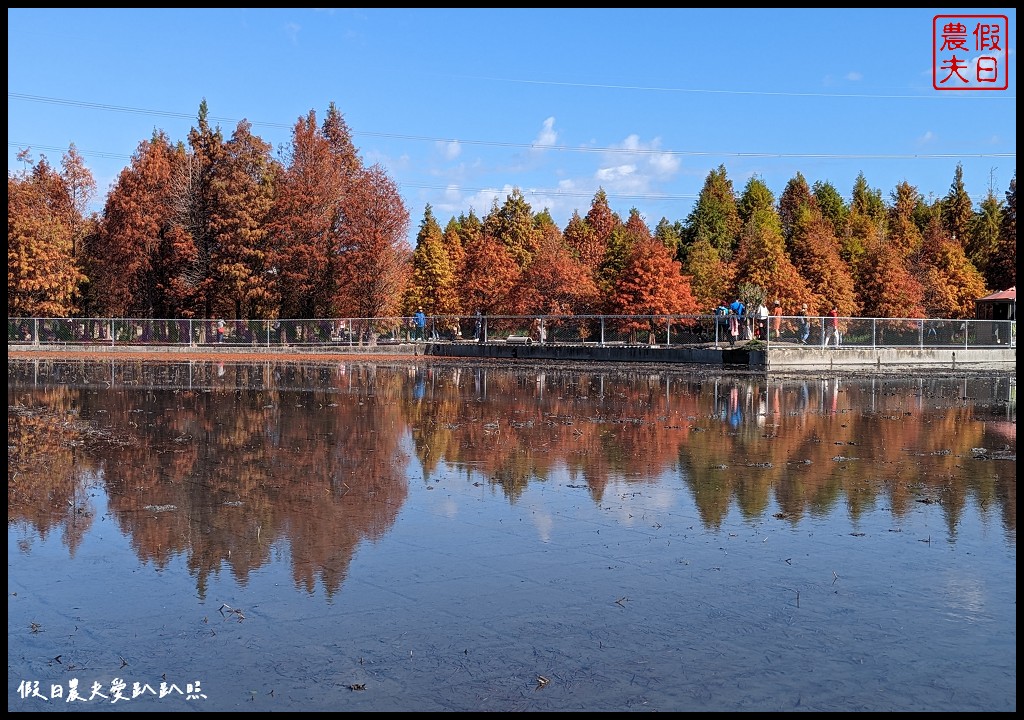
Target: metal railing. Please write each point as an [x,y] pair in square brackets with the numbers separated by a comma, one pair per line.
[601,330]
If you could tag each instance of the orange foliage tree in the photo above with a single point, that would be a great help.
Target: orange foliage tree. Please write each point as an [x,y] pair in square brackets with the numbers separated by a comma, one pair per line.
[816,256]
[242,191]
[951,282]
[887,287]
[762,261]
[512,224]
[490,277]
[42,275]
[432,285]
[601,219]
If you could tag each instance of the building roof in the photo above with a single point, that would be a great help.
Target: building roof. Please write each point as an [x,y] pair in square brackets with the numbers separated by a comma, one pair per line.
[1010,294]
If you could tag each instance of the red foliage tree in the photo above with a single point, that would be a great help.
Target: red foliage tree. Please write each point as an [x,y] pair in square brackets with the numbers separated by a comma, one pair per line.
[375,255]
[129,265]
[306,214]
[556,283]
[651,283]
[490,277]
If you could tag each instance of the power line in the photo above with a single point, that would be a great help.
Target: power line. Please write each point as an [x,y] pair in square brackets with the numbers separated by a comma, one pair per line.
[530,146]
[770,93]
[653,197]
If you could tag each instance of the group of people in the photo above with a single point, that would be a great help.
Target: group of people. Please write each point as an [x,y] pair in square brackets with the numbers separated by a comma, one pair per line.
[731,321]
[419,327]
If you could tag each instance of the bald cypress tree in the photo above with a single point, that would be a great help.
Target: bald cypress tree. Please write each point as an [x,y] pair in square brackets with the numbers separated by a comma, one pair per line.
[715,217]
[1002,265]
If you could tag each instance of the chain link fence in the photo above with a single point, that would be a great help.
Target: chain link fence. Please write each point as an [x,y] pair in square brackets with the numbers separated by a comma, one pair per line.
[602,330]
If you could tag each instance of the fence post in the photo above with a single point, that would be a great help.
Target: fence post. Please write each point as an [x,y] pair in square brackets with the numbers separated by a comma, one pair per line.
[602,331]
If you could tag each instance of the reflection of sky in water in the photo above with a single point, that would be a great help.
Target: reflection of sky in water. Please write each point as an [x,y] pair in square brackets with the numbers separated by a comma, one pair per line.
[966,597]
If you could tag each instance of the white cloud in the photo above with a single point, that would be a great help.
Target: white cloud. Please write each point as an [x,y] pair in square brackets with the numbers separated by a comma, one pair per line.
[292,31]
[543,521]
[449,149]
[636,166]
[854,76]
[616,175]
[547,135]
[928,137]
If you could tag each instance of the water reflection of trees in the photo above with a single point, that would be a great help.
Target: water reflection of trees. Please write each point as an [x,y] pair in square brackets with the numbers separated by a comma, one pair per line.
[220,463]
[220,476]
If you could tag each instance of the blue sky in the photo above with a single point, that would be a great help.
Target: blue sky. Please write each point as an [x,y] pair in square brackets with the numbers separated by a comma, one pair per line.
[461,106]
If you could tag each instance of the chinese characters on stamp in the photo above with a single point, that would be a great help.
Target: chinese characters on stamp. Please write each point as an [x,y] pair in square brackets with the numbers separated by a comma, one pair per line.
[970,52]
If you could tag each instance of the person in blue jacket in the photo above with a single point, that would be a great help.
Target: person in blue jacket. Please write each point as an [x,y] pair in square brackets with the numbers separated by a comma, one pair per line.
[740,310]
[419,321]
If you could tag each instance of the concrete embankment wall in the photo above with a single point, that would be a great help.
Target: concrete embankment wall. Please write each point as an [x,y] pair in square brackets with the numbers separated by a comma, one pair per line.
[780,357]
[599,353]
[792,358]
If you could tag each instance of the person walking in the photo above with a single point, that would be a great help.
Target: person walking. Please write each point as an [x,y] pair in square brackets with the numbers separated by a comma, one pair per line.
[762,321]
[805,324]
[419,320]
[776,321]
[740,310]
[832,328]
[721,322]
[734,327]
[540,330]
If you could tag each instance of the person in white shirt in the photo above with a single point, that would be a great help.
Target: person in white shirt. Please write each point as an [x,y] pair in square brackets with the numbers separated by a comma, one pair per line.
[762,321]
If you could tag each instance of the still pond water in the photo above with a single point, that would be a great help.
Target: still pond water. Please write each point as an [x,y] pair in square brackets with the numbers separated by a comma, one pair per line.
[366,536]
